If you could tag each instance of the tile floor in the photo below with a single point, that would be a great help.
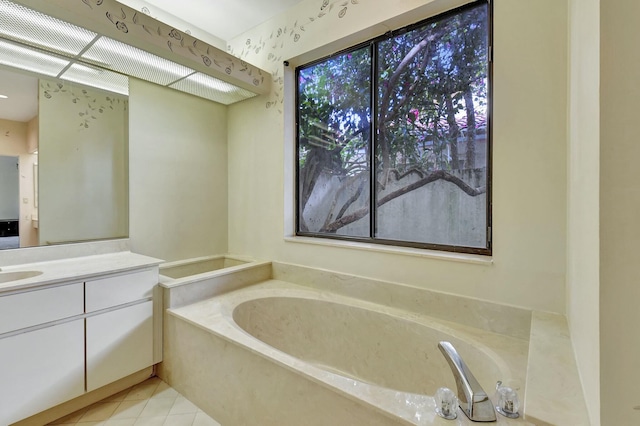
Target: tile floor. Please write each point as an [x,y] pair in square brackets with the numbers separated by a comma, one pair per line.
[151,403]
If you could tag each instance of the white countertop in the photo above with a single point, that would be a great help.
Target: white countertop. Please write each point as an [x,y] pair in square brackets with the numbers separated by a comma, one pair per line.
[75,269]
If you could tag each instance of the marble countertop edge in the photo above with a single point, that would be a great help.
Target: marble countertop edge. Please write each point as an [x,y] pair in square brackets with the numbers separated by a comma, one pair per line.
[75,269]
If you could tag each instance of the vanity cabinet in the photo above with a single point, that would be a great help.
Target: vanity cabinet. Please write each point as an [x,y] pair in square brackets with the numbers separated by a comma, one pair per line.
[58,342]
[120,335]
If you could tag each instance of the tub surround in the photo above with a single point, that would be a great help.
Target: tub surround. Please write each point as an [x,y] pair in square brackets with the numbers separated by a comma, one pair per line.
[246,368]
[200,265]
[531,348]
[499,318]
[554,391]
[193,288]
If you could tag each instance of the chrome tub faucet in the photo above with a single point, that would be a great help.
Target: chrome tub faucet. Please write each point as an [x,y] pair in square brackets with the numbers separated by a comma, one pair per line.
[473,400]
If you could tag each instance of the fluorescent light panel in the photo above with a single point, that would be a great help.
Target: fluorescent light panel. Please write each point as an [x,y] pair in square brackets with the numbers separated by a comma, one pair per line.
[35,29]
[120,57]
[105,64]
[24,58]
[211,88]
[97,77]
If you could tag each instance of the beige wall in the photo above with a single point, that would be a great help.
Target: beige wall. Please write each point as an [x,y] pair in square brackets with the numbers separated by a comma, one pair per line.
[583,284]
[619,209]
[529,216]
[178,173]
[82,163]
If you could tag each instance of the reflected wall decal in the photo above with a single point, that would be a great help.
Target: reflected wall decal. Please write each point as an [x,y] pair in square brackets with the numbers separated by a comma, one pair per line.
[90,106]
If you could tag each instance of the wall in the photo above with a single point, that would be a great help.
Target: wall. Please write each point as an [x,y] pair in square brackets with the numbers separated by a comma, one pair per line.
[83,162]
[178,173]
[583,255]
[29,211]
[15,139]
[9,188]
[529,213]
[619,206]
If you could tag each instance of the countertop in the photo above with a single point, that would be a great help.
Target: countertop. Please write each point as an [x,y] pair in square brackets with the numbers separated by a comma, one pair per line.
[75,269]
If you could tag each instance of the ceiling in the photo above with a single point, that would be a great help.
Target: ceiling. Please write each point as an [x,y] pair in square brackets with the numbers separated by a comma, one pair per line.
[22,92]
[225,19]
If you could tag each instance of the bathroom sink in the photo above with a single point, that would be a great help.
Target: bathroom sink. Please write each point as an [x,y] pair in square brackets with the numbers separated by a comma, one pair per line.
[6,277]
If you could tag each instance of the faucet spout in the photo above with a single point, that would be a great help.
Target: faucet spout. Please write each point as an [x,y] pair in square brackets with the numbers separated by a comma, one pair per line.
[473,400]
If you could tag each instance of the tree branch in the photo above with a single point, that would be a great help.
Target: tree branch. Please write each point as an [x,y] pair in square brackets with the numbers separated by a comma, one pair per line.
[432,177]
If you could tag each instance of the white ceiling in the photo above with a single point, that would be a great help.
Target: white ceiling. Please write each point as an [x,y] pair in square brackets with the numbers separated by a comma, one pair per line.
[225,19]
[22,92]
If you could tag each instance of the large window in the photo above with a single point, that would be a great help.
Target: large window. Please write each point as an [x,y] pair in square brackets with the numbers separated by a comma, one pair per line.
[393,137]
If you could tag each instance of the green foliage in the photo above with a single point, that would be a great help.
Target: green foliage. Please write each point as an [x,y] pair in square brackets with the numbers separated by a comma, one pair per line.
[430,94]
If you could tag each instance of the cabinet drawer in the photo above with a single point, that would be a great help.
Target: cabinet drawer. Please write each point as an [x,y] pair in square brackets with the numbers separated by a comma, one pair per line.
[40,306]
[120,289]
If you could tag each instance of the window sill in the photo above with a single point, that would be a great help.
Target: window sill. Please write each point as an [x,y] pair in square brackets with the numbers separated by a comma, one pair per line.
[405,251]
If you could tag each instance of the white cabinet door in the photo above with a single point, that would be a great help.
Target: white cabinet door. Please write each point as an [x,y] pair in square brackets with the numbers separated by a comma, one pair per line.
[119,343]
[40,369]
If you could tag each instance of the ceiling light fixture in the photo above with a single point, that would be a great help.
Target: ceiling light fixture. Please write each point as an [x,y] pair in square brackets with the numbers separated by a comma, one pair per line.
[4,97]
[22,57]
[129,60]
[46,45]
[36,29]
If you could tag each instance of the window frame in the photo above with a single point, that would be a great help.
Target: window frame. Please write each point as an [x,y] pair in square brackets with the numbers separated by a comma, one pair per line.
[371,44]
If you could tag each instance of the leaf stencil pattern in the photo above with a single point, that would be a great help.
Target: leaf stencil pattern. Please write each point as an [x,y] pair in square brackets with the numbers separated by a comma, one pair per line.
[90,107]
[143,26]
[283,37]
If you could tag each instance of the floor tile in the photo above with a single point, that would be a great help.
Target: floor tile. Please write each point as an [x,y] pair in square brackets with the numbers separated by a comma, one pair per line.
[180,420]
[99,412]
[151,421]
[129,409]
[157,407]
[151,403]
[183,406]
[164,391]
[202,419]
[120,422]
[142,391]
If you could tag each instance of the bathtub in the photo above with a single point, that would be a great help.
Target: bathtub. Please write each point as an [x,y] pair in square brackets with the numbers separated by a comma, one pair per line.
[280,354]
[188,281]
[200,265]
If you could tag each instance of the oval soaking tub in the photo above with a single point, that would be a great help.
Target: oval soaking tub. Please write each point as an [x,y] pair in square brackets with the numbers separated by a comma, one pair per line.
[363,344]
[280,354]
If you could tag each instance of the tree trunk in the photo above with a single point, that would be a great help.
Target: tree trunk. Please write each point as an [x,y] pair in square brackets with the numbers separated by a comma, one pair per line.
[454,132]
[471,129]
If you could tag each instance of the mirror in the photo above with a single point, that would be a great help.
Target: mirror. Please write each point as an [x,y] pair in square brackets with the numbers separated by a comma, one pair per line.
[71,147]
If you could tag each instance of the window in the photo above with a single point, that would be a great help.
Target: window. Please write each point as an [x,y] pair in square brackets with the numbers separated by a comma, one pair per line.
[393,137]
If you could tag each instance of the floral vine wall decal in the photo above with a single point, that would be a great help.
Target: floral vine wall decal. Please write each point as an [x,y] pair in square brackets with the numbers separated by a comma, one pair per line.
[131,22]
[90,106]
[284,36]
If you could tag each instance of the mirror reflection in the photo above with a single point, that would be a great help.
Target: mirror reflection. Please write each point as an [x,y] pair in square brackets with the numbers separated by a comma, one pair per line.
[63,162]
